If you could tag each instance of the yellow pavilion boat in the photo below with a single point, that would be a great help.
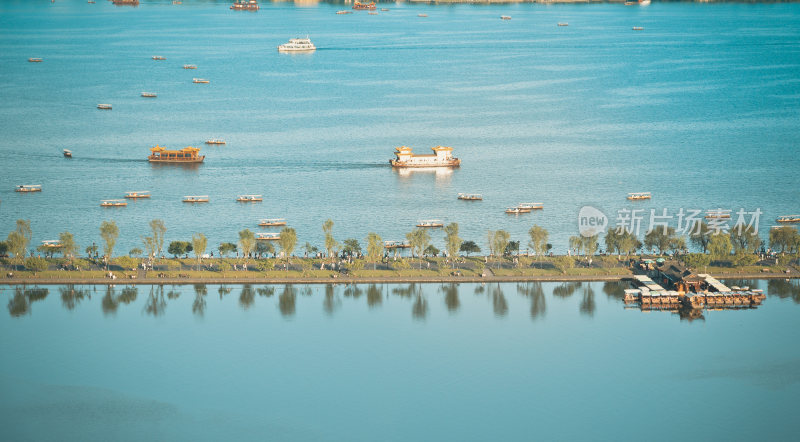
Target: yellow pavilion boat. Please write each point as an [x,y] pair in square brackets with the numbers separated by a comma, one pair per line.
[636,196]
[249,198]
[137,194]
[788,219]
[28,188]
[470,196]
[272,222]
[268,236]
[113,203]
[195,199]
[186,155]
[364,6]
[442,157]
[430,223]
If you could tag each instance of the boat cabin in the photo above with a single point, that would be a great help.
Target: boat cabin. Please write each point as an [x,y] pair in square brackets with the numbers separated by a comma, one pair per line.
[186,155]
[28,188]
[195,199]
[249,198]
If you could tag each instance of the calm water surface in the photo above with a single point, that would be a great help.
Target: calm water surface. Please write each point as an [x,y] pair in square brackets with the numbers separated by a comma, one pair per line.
[392,362]
[701,109]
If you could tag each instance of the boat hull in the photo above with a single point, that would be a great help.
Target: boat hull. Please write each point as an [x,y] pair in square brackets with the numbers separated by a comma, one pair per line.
[400,164]
[186,161]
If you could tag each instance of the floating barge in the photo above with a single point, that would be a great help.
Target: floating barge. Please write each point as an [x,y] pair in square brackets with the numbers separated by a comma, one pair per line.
[268,236]
[442,157]
[636,196]
[272,222]
[113,203]
[137,194]
[470,196]
[186,155]
[196,199]
[28,188]
[249,198]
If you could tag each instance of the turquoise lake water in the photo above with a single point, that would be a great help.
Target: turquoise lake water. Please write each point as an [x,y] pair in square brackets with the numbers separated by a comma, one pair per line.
[531,361]
[701,108]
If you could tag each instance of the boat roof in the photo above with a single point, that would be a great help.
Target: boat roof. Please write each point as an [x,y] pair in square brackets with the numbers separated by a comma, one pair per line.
[788,216]
[187,149]
[67,150]
[531,204]
[112,201]
[30,185]
[137,191]
[639,193]
[250,195]
[272,220]
[429,221]
[196,196]
[51,242]
[268,234]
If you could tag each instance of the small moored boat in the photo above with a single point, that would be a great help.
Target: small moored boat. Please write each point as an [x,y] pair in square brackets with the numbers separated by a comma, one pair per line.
[249,198]
[430,223]
[788,219]
[635,196]
[159,57]
[505,17]
[638,28]
[396,245]
[149,94]
[718,214]
[245,5]
[199,80]
[136,194]
[35,60]
[113,203]
[344,12]
[195,199]
[531,206]
[470,196]
[272,222]
[268,236]
[52,244]
[215,141]
[189,66]
[561,23]
[104,106]
[67,153]
[516,210]
[422,15]
[27,188]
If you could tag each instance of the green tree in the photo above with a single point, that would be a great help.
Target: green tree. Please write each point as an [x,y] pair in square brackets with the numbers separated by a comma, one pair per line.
[91,250]
[500,241]
[576,244]
[109,232]
[700,235]
[265,248]
[3,248]
[743,258]
[226,247]
[563,263]
[68,247]
[374,248]
[452,241]
[786,238]
[159,230]
[36,264]
[287,242]
[720,247]
[178,248]
[745,239]
[150,246]
[18,240]
[696,261]
[431,250]
[247,242]
[199,243]
[538,242]
[512,248]
[309,249]
[331,246]
[135,252]
[659,238]
[469,247]
[351,246]
[589,244]
[677,244]
[627,243]
[419,240]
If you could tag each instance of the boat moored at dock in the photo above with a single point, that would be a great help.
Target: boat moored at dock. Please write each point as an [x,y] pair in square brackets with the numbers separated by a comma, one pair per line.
[442,157]
[390,245]
[196,199]
[186,155]
[137,194]
[636,196]
[788,219]
[52,244]
[297,45]
[430,223]
[28,188]
[113,203]
[272,222]
[470,196]
[249,198]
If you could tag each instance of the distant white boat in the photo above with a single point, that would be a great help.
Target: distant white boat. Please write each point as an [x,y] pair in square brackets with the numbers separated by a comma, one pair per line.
[297,45]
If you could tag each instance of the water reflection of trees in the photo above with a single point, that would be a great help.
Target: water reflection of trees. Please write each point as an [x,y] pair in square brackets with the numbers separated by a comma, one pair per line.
[419,310]
[71,297]
[156,303]
[199,303]
[499,303]
[535,292]
[332,301]
[287,300]
[247,297]
[20,302]
[566,289]
[587,305]
[451,300]
[615,289]
[374,296]
[784,288]
[352,291]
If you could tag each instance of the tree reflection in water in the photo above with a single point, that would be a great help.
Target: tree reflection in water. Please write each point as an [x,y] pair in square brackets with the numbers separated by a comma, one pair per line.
[566,289]
[374,296]
[128,295]
[420,308]
[287,300]
[499,304]
[535,292]
[784,288]
[109,302]
[173,294]
[247,297]
[20,303]
[156,304]
[266,291]
[199,303]
[352,290]
[615,289]
[331,302]
[587,306]
[223,290]
[71,297]
[451,296]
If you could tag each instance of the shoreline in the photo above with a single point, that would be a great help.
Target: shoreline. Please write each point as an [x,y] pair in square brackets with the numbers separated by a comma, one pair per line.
[360,280]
